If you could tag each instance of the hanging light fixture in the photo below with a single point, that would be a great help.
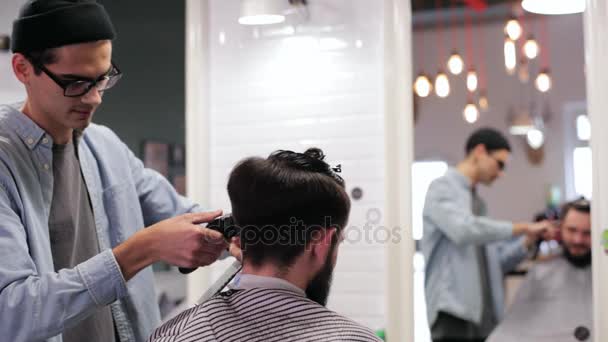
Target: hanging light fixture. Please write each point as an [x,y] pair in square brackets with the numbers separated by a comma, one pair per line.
[484,104]
[470,112]
[513,29]
[510,55]
[422,85]
[543,81]
[535,138]
[455,63]
[262,12]
[554,6]
[531,48]
[442,85]
[472,80]
[522,71]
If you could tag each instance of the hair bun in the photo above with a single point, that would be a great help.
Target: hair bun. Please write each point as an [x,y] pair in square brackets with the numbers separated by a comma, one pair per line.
[316,153]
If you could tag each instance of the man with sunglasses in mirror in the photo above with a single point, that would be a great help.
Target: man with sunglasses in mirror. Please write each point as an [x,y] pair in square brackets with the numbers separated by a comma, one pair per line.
[555,300]
[466,253]
[74,257]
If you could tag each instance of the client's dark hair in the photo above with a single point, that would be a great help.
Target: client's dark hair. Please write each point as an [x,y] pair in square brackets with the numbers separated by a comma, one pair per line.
[492,139]
[581,204]
[281,202]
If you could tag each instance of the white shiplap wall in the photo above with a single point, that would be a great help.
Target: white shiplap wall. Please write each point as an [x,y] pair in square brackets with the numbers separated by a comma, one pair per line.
[315,81]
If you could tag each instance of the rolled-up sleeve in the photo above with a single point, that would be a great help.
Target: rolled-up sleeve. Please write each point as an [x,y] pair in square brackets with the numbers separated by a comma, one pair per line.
[35,306]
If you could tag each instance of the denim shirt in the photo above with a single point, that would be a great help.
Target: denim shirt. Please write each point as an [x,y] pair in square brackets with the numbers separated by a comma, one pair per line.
[36,303]
[449,245]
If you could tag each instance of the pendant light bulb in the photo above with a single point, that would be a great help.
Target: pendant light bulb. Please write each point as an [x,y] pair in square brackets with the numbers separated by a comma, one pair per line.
[513,29]
[422,85]
[510,55]
[455,63]
[472,80]
[531,48]
[484,104]
[442,85]
[543,81]
[470,112]
[535,138]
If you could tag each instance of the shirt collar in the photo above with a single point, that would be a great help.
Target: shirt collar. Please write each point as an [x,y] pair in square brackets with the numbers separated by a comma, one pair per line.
[26,129]
[251,281]
[463,180]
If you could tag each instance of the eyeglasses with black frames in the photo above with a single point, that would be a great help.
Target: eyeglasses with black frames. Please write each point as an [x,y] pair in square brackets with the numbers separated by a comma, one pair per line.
[79,86]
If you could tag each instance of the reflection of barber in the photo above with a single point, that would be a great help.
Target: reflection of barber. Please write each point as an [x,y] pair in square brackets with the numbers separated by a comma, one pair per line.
[74,199]
[464,272]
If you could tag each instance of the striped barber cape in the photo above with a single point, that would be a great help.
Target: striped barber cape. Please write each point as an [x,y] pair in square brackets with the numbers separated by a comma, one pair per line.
[260,314]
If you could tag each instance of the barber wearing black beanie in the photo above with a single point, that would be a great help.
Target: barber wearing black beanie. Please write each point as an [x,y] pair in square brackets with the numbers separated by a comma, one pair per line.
[74,257]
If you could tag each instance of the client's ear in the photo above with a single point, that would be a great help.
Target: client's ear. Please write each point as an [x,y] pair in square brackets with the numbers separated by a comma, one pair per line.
[320,244]
[235,248]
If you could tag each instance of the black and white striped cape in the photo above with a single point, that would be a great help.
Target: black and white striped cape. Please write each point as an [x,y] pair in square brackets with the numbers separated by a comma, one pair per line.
[260,314]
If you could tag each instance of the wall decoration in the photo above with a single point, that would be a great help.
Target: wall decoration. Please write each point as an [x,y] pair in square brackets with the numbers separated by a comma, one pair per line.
[156,156]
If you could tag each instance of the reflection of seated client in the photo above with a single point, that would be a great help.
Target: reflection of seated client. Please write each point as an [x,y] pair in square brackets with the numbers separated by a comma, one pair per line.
[554,302]
[291,208]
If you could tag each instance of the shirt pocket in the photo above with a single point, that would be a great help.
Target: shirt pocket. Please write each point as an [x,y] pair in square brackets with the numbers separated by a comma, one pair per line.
[123,211]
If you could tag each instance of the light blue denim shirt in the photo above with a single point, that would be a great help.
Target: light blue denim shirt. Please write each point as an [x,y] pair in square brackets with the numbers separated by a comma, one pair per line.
[451,234]
[36,303]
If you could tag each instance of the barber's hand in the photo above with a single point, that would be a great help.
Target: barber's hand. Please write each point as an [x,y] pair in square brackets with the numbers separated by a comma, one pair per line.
[235,248]
[182,242]
[544,230]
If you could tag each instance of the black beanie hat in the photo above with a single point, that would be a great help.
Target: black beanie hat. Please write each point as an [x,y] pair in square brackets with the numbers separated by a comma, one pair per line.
[44,24]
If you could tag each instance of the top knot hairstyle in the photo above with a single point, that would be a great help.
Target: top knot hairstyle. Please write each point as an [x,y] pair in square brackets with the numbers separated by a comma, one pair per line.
[279,203]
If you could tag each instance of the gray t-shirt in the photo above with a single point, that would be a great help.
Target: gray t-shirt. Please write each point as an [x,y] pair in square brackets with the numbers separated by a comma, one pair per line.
[74,239]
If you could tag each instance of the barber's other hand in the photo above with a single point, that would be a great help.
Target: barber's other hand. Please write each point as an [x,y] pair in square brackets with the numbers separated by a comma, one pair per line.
[182,242]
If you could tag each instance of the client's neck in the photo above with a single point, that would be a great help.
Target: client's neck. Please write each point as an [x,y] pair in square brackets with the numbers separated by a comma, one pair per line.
[269,270]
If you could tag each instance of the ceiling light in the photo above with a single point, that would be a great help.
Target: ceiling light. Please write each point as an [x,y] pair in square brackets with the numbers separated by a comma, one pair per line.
[262,12]
[422,85]
[531,47]
[442,85]
[470,112]
[513,29]
[543,81]
[535,138]
[472,80]
[553,7]
[455,63]
[522,72]
[484,104]
[510,55]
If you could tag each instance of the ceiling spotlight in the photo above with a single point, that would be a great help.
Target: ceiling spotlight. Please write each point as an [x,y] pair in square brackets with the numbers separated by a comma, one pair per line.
[531,47]
[513,29]
[442,85]
[262,12]
[422,85]
[455,63]
[472,80]
[554,6]
[470,112]
[543,81]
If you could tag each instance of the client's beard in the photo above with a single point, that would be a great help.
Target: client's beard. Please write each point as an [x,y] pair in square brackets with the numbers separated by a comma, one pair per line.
[318,288]
[579,261]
